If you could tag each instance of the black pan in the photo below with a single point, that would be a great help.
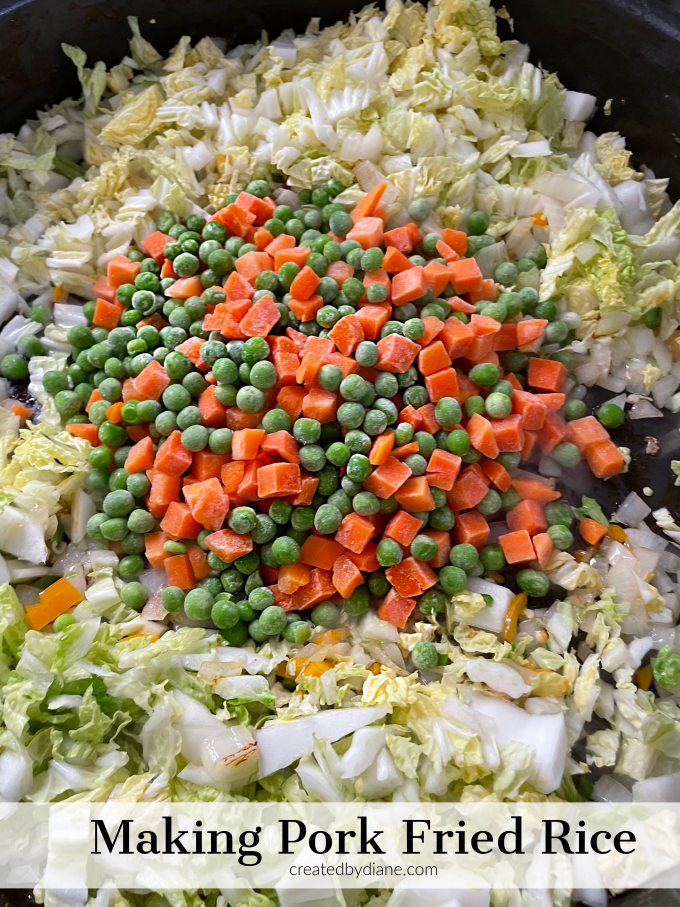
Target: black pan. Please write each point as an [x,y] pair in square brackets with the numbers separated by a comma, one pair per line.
[624,50]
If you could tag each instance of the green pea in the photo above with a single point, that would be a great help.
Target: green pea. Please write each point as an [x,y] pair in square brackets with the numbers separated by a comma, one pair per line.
[276,420]
[574,409]
[325,615]
[464,557]
[250,399]
[425,656]
[557,513]
[195,438]
[286,550]
[388,552]
[534,582]
[484,375]
[610,415]
[452,580]
[458,442]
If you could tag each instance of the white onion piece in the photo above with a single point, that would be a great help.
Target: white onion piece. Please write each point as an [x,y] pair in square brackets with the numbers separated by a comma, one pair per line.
[644,409]
[608,790]
[632,511]
[231,755]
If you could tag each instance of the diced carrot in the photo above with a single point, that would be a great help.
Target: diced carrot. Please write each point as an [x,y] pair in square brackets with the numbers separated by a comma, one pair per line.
[179,572]
[508,433]
[355,532]
[543,546]
[456,239]
[238,288]
[164,490]
[591,531]
[309,368]
[447,253]
[94,397]
[530,408]
[263,239]
[553,432]
[405,239]
[283,444]
[306,496]
[498,474]
[228,545]
[605,459]
[433,328]
[481,350]
[103,289]
[481,436]
[368,204]
[411,577]
[395,261]
[466,275]
[286,365]
[292,577]
[487,291]
[403,528]
[428,416]
[467,492]
[236,219]
[237,420]
[397,354]
[528,332]
[77,429]
[482,325]
[506,338]
[433,358]
[347,334]
[365,560]
[121,270]
[443,540]
[388,478]
[152,380]
[442,469]
[346,576]
[140,457]
[437,276]
[262,208]
[527,515]
[411,416]
[231,476]
[585,432]
[340,271]
[253,263]
[320,551]
[261,318]
[304,284]
[381,448]
[471,528]
[278,480]
[298,256]
[372,318]
[246,443]
[368,232]
[185,287]
[179,523]
[290,400]
[443,383]
[530,489]
[154,245]
[305,309]
[346,365]
[396,609]
[517,546]
[199,562]
[114,413]
[456,337]
[415,495]
[552,402]
[168,270]
[456,304]
[400,453]
[319,588]
[106,315]
[208,465]
[171,457]
[284,241]
[209,509]
[154,551]
[546,374]
[408,285]
[213,413]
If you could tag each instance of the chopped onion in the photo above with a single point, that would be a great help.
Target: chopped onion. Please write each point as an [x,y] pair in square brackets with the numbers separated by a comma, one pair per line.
[490,257]
[645,409]
[632,511]
[230,755]
[608,790]
[610,383]
[646,539]
[664,389]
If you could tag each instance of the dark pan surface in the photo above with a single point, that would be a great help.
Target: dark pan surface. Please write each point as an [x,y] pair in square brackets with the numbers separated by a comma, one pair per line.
[626,50]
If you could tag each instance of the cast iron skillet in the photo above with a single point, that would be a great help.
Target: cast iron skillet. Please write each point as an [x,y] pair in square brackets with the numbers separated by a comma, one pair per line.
[626,50]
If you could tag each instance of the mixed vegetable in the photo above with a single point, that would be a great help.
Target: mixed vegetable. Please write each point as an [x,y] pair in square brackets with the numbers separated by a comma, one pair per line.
[295,454]
[333,415]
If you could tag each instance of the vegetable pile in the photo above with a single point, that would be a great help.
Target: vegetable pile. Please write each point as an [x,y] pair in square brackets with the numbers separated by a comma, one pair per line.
[322,420]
